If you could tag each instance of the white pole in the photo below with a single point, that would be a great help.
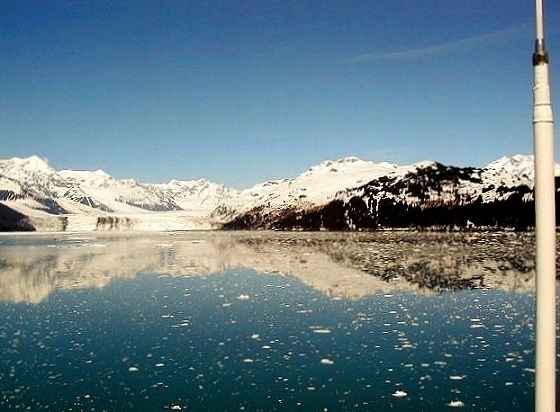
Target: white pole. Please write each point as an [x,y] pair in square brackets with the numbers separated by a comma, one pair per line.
[545,225]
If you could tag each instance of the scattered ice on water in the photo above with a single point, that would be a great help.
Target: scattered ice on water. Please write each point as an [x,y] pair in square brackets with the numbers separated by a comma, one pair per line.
[399,394]
[243,297]
[133,369]
[326,361]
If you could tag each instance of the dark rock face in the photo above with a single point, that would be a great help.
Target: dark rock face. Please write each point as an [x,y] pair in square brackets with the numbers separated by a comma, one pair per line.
[77,195]
[49,204]
[11,221]
[9,195]
[355,215]
[257,218]
[429,198]
[110,223]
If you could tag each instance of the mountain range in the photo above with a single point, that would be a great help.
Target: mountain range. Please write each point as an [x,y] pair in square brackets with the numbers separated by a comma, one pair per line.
[343,194]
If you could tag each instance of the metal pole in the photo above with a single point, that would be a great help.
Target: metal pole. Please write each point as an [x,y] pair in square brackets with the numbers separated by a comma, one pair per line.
[545,225]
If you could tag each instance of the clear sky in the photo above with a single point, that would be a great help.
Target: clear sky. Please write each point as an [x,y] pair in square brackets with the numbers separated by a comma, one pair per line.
[240,91]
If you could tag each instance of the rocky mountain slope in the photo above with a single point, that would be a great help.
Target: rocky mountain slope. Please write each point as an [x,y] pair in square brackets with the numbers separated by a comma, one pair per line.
[427,194]
[345,194]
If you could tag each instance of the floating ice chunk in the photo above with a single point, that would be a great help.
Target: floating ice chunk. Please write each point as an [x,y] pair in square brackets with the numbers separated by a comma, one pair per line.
[457,377]
[243,297]
[255,336]
[399,394]
[321,331]
[456,404]
[176,408]
[159,365]
[98,245]
[248,360]
[326,361]
[133,369]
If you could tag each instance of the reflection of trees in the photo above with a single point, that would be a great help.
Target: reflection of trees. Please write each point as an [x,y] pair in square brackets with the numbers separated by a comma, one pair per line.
[343,265]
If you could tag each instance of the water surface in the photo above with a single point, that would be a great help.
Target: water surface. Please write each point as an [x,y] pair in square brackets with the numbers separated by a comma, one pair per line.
[267,321]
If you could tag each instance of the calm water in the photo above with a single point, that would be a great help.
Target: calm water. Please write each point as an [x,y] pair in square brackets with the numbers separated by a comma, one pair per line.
[267,321]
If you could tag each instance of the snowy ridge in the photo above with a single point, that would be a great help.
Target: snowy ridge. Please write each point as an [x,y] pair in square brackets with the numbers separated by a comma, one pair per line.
[197,196]
[426,194]
[94,200]
[317,185]
[513,171]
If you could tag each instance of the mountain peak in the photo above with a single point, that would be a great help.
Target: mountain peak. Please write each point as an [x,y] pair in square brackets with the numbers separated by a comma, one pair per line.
[98,176]
[423,164]
[515,161]
[193,182]
[33,162]
[341,161]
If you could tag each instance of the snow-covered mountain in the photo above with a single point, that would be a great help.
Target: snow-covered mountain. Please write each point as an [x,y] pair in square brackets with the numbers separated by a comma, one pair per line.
[88,200]
[348,193]
[426,194]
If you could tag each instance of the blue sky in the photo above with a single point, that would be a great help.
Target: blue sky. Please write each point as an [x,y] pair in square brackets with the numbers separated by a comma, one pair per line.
[243,91]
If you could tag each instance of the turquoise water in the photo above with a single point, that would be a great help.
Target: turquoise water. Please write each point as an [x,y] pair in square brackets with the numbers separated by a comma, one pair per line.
[178,323]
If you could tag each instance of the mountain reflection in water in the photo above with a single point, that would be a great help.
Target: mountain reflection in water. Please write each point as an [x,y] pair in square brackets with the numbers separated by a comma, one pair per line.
[340,265]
